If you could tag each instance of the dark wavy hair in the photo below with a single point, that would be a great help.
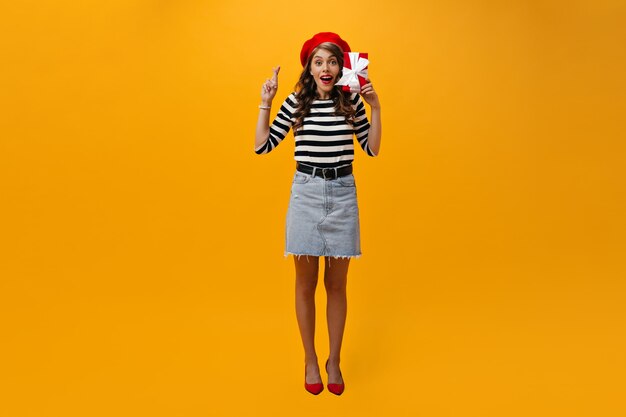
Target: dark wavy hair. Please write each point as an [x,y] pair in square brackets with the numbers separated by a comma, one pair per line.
[306,90]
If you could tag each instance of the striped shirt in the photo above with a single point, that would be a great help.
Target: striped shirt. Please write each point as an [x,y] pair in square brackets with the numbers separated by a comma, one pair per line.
[324,140]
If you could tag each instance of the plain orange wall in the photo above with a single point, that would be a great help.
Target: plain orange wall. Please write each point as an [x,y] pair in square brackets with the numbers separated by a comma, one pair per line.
[141,239]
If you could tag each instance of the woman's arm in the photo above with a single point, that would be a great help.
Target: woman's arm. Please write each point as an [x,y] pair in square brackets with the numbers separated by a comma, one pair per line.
[268,92]
[375,132]
[262,125]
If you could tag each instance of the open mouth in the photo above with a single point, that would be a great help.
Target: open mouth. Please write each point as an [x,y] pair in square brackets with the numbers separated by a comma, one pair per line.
[326,79]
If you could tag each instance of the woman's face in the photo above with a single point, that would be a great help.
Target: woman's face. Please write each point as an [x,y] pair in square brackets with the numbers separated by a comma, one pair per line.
[325,71]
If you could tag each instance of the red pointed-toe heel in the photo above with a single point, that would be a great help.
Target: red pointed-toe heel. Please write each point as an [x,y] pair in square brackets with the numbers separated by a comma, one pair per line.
[315,388]
[336,389]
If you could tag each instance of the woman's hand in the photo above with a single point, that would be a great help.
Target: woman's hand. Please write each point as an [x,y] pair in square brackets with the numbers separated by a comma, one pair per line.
[369,95]
[268,91]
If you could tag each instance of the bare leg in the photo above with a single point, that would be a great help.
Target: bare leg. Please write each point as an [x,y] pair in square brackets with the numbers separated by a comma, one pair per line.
[335,281]
[307,268]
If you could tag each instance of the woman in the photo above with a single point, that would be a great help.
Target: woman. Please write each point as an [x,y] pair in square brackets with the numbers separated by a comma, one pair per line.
[323,215]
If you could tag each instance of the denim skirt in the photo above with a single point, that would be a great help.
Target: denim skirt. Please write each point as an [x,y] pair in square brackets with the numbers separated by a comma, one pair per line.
[323,217]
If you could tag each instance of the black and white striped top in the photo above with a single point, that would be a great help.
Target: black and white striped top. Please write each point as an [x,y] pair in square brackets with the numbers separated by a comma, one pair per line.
[324,140]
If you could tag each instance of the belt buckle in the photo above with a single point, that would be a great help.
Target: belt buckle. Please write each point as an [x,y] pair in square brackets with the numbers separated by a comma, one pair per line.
[324,171]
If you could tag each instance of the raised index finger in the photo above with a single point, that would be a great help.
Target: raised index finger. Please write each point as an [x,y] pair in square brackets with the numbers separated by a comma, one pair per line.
[276,71]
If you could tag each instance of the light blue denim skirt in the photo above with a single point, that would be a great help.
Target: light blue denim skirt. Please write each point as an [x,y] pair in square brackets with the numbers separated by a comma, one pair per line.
[323,217]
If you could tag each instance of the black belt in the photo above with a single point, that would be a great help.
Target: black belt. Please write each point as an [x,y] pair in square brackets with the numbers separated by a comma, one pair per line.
[326,173]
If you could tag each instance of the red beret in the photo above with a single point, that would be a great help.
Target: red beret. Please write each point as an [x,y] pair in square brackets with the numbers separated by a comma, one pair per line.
[318,39]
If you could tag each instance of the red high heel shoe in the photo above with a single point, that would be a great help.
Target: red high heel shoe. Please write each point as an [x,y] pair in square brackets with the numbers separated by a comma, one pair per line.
[336,389]
[315,388]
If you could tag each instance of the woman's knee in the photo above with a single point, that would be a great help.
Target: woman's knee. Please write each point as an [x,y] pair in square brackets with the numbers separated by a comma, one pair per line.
[335,281]
[306,287]
[335,285]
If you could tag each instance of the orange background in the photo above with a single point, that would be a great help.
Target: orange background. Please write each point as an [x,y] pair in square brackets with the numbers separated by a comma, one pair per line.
[141,239]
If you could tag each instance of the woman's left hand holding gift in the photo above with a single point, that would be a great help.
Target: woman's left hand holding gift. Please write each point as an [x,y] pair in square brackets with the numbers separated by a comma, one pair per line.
[369,95]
